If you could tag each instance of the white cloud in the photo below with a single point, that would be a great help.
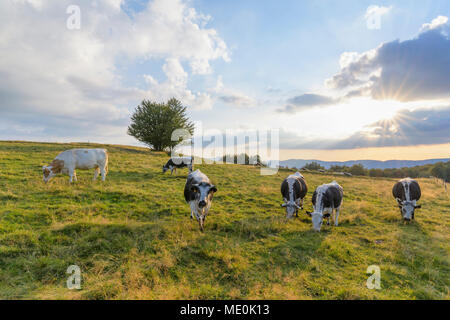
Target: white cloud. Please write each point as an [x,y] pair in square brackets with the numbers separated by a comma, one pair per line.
[176,86]
[58,75]
[436,23]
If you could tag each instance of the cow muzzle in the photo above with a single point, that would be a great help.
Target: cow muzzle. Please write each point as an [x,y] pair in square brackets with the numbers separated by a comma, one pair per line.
[202,203]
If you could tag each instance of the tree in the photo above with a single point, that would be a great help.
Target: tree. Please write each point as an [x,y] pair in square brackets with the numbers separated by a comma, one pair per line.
[357,170]
[245,158]
[313,166]
[442,171]
[153,123]
[376,173]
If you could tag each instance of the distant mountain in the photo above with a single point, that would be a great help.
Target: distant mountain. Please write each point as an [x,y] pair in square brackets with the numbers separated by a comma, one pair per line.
[368,164]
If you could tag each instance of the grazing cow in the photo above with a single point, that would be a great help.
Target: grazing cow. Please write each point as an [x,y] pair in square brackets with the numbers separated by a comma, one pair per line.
[199,192]
[175,163]
[407,193]
[326,199]
[66,162]
[293,190]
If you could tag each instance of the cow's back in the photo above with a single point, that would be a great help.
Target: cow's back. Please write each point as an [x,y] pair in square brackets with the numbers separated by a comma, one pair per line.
[332,195]
[299,187]
[195,177]
[398,191]
[84,158]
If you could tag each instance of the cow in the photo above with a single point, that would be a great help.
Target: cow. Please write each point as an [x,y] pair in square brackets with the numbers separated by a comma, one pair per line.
[293,190]
[175,163]
[407,193]
[198,192]
[66,162]
[326,199]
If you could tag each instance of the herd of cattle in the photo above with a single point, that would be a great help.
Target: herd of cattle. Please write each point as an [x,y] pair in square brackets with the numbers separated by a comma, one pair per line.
[198,191]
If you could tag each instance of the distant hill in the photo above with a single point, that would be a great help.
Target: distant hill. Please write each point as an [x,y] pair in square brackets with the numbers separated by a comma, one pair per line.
[369,164]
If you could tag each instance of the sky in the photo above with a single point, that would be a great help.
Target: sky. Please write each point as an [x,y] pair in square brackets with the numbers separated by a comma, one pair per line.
[341,80]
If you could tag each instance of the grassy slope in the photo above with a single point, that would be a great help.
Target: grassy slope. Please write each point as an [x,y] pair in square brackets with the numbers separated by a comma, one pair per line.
[133,239]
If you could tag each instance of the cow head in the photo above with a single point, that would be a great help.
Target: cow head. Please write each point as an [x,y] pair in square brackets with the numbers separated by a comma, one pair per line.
[317,219]
[165,168]
[291,207]
[47,173]
[407,208]
[52,170]
[203,199]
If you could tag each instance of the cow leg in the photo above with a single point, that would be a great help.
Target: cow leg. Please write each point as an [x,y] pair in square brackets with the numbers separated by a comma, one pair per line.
[96,173]
[71,172]
[328,219]
[301,204]
[75,176]
[103,173]
[296,213]
[191,205]
[336,216]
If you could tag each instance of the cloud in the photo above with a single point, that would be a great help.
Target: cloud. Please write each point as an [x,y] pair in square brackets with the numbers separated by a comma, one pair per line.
[76,77]
[238,100]
[416,69]
[439,22]
[176,86]
[231,96]
[406,128]
[307,101]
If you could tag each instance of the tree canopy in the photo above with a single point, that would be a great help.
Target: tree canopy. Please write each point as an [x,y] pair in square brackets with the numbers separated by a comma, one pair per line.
[153,123]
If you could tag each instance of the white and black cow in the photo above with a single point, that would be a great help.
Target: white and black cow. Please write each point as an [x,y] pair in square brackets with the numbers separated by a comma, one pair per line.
[293,190]
[198,192]
[326,199]
[407,193]
[180,162]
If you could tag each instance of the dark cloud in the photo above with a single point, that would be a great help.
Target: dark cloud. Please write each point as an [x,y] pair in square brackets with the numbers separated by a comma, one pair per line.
[407,128]
[306,101]
[416,69]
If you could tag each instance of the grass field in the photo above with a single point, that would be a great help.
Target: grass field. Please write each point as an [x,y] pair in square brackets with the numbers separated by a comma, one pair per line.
[133,239]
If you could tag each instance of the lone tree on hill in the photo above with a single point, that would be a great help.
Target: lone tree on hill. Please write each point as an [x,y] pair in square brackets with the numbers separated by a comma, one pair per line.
[153,123]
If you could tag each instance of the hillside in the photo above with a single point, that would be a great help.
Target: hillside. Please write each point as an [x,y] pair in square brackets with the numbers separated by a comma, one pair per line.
[133,239]
[368,164]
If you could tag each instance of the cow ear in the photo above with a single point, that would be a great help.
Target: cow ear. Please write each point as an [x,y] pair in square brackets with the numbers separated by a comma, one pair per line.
[418,207]
[308,213]
[213,188]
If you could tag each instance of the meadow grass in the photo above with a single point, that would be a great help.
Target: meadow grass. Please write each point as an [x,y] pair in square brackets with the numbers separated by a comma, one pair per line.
[133,239]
